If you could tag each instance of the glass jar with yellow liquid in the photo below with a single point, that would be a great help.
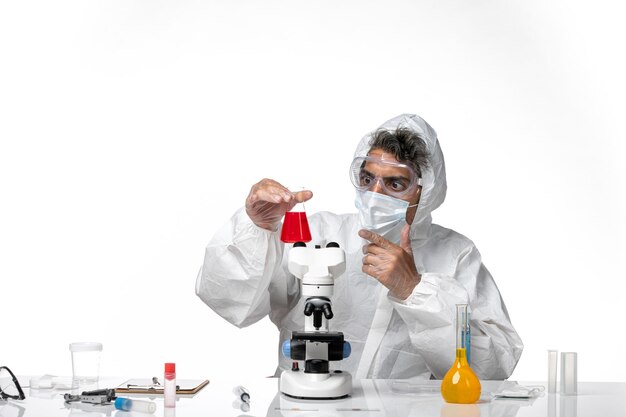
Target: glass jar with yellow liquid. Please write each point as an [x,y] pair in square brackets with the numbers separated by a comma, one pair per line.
[461,385]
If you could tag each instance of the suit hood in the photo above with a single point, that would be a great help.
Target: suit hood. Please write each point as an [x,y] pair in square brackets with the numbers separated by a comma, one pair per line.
[433,177]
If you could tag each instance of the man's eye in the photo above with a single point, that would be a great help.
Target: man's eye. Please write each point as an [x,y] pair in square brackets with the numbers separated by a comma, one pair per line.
[366,179]
[397,185]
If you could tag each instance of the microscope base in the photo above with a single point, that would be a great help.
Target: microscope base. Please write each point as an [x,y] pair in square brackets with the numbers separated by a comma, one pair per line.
[315,386]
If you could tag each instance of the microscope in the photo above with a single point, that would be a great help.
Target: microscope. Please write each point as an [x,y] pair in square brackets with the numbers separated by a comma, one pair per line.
[317,268]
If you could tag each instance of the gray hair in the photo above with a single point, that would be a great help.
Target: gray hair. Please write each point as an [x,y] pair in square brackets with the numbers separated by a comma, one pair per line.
[405,144]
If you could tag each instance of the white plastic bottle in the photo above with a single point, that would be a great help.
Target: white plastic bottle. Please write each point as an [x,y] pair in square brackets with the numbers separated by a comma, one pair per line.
[169,388]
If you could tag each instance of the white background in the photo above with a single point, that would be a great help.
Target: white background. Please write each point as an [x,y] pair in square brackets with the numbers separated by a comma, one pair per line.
[131,130]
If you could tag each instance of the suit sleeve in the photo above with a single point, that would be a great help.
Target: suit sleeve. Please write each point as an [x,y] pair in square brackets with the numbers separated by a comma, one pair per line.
[430,311]
[242,274]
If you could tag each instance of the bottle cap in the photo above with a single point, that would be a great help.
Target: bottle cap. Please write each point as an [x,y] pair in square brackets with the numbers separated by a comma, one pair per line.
[170,368]
[85,346]
[124,404]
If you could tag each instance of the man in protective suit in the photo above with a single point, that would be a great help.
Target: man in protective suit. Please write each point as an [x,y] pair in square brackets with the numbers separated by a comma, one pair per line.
[396,302]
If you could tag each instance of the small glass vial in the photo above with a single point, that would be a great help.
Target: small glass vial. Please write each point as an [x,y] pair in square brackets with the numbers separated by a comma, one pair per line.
[169,388]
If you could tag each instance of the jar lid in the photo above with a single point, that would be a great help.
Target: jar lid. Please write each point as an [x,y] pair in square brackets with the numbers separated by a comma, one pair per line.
[85,346]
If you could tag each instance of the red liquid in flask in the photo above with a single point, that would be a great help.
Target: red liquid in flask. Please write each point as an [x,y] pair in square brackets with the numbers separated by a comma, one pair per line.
[295,228]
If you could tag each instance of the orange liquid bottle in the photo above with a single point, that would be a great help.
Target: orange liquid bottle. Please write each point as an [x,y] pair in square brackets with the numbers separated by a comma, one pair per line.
[295,226]
[461,385]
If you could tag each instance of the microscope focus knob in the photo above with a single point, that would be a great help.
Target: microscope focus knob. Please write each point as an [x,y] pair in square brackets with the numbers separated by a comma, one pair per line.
[347,349]
[286,348]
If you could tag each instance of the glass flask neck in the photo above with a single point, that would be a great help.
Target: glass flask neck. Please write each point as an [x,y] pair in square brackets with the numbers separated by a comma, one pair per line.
[461,357]
[462,327]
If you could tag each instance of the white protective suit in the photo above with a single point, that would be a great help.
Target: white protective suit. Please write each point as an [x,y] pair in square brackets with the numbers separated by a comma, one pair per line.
[245,277]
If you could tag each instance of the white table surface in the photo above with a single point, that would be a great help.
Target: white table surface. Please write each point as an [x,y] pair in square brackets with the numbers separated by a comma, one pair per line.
[369,398]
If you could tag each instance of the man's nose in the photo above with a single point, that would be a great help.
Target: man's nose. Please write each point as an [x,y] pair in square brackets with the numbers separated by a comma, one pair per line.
[377,187]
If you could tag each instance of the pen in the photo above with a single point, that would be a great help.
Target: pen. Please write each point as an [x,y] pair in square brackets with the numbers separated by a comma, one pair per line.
[158,387]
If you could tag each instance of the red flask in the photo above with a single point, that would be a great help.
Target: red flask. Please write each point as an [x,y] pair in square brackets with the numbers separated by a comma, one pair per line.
[295,227]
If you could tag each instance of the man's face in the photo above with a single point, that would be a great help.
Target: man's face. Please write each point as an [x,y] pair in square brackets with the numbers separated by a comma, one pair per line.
[394,176]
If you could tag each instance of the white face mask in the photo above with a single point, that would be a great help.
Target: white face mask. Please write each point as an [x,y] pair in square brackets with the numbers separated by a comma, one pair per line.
[382,214]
